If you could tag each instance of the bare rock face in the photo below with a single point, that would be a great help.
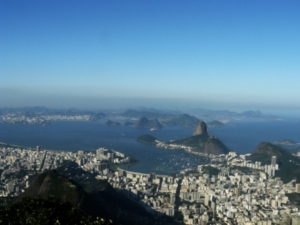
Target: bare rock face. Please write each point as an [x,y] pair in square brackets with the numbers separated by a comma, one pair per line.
[214,146]
[201,128]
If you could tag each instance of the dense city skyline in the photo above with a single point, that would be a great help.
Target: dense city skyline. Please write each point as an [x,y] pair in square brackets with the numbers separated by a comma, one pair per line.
[209,54]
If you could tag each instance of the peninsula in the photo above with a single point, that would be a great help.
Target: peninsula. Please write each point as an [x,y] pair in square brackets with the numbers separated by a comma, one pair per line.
[200,143]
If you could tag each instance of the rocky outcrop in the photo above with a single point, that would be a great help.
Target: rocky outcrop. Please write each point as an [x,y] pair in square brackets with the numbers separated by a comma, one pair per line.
[201,129]
[143,122]
[214,146]
[202,142]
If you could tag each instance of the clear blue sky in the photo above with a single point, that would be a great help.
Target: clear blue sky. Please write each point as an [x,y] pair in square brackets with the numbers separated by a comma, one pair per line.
[209,54]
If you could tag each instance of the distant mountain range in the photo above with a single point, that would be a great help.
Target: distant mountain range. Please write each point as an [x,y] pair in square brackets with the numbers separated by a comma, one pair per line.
[217,117]
[149,114]
[182,120]
[143,122]
[225,115]
[166,118]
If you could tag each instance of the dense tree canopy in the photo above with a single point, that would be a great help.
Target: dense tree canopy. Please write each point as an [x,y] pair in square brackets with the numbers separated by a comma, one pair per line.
[47,211]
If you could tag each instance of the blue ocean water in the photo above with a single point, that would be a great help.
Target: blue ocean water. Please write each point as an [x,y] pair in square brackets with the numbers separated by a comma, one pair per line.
[240,136]
[244,136]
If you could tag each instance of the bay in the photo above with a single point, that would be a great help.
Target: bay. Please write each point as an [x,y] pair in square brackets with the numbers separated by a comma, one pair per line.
[75,135]
[240,136]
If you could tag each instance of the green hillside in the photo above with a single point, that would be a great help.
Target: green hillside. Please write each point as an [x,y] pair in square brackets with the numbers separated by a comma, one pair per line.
[289,165]
[265,150]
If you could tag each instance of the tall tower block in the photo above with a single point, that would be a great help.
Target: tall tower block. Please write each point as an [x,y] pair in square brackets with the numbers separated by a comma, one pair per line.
[273,161]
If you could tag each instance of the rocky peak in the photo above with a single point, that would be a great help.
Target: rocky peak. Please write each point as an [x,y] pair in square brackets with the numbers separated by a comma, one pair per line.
[200,129]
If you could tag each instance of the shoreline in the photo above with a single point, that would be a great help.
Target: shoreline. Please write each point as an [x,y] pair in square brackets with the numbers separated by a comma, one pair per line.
[30,148]
[136,160]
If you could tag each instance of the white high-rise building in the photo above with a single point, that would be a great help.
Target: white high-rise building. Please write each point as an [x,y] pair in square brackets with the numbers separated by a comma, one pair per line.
[273,161]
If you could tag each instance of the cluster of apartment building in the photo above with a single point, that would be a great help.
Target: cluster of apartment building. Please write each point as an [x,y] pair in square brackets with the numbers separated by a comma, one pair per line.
[12,118]
[229,197]
[68,117]
[233,197]
[16,119]
[234,160]
[18,164]
[156,193]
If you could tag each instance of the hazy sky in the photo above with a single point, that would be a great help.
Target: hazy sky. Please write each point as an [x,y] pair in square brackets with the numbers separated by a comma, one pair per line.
[209,54]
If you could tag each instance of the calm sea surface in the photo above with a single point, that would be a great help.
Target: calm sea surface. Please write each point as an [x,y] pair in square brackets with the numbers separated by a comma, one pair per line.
[239,136]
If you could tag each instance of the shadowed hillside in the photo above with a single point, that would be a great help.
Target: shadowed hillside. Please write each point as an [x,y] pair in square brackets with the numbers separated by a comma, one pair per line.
[54,184]
[70,183]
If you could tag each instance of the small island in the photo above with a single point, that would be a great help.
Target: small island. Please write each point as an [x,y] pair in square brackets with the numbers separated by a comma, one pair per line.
[215,123]
[147,139]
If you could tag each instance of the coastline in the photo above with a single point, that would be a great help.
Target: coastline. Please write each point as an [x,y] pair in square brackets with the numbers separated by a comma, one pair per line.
[135,160]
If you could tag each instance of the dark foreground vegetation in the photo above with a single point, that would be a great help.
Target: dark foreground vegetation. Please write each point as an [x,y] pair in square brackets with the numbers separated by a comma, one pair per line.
[70,195]
[46,210]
